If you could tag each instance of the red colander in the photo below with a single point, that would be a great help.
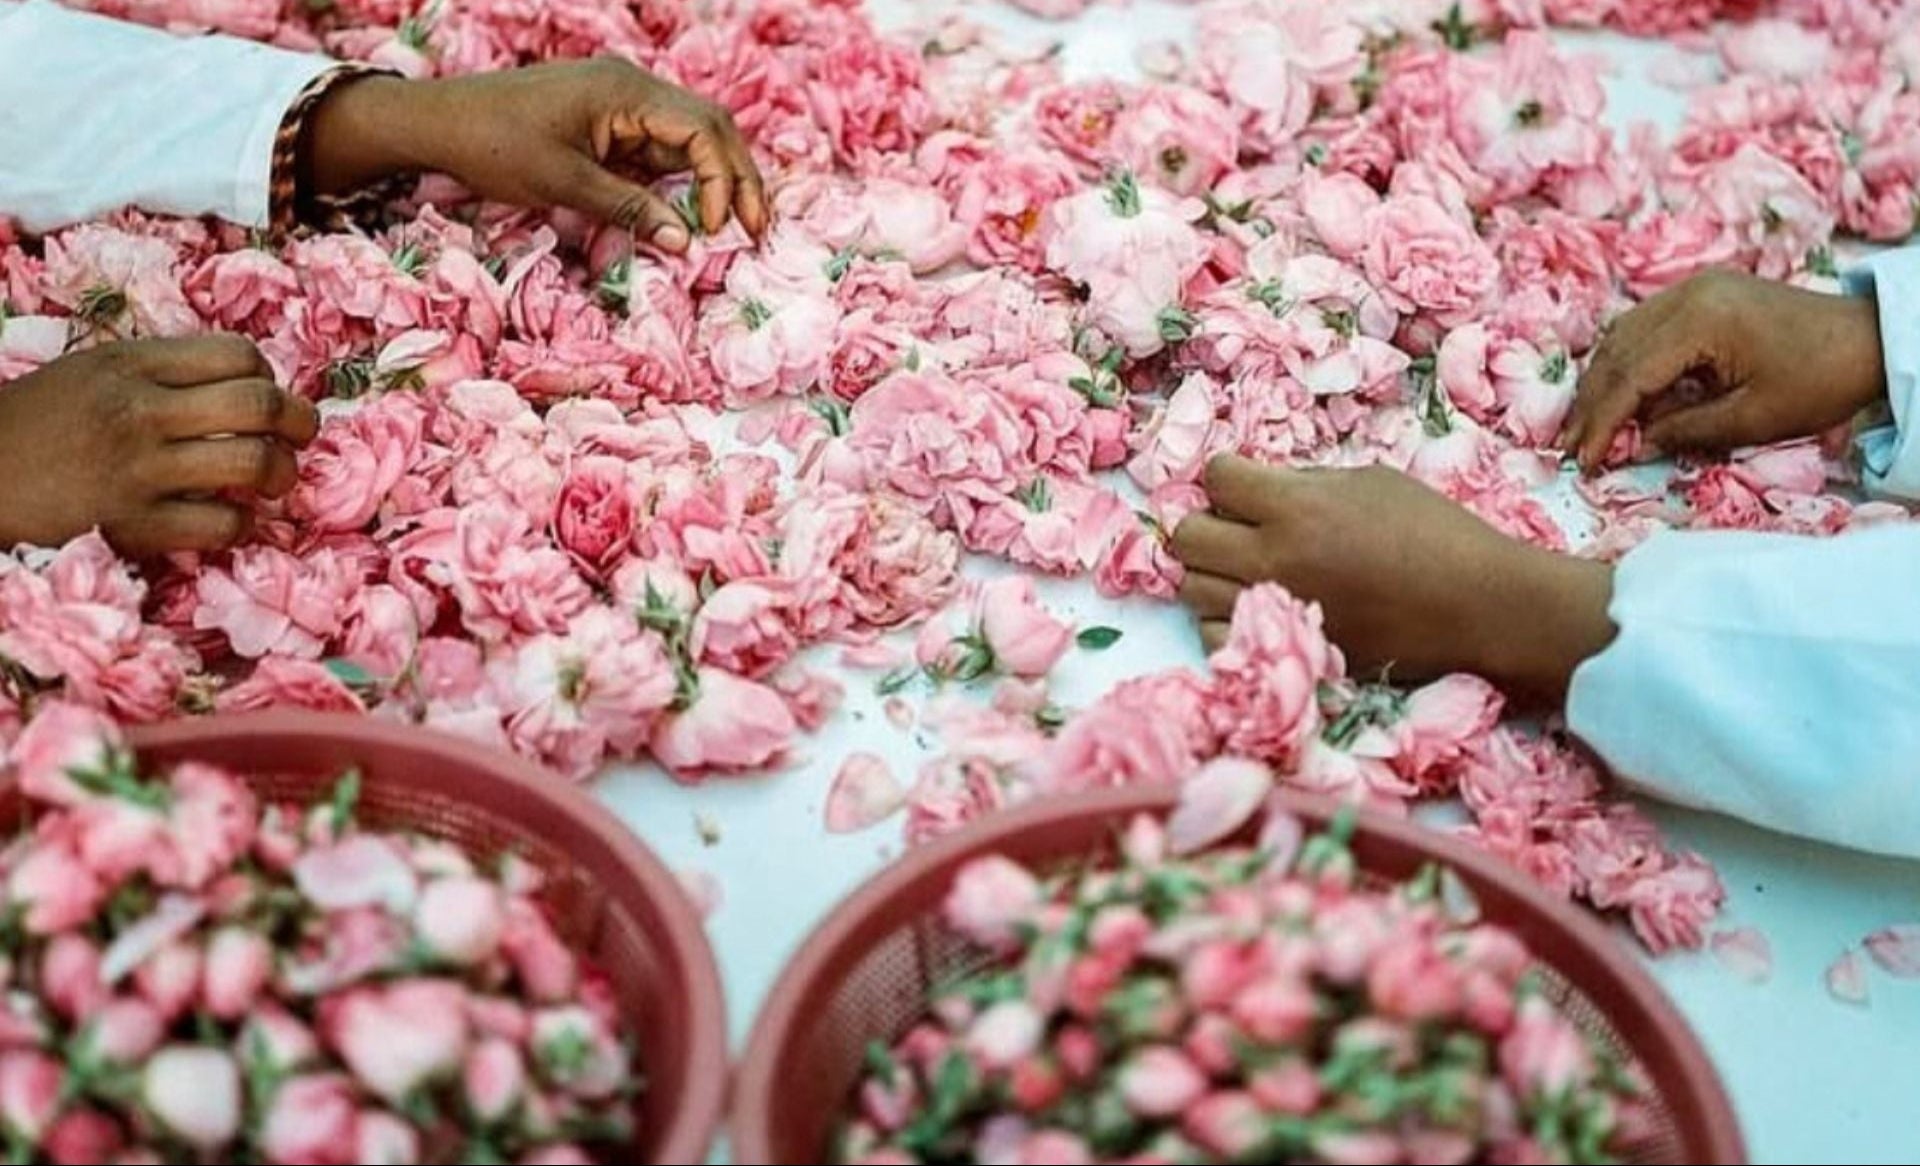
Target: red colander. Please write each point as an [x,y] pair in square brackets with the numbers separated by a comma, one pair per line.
[610,898]
[864,974]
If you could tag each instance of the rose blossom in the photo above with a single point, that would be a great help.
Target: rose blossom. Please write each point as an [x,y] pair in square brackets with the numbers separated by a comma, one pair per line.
[1423,259]
[1267,675]
[1178,137]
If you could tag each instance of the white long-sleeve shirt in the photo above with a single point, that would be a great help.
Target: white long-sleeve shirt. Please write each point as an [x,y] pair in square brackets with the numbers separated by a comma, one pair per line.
[1770,677]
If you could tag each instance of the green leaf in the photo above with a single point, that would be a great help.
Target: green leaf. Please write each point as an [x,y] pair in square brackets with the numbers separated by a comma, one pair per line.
[1036,496]
[349,673]
[1177,325]
[1456,30]
[345,799]
[896,680]
[1123,194]
[1098,639]
[977,662]
[838,265]
[834,413]
[754,314]
[1820,262]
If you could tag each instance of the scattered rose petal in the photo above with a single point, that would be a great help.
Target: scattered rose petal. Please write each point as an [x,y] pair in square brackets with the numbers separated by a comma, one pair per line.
[1896,949]
[1846,978]
[1745,952]
[1217,800]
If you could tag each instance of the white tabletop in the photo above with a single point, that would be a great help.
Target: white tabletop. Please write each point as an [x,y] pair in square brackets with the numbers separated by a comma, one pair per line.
[1814,1080]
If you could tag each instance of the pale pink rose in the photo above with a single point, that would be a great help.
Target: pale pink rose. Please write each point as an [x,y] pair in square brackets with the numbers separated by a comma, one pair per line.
[194,1093]
[1135,248]
[1228,1123]
[31,1085]
[60,739]
[238,964]
[460,919]
[1149,731]
[1217,801]
[886,217]
[493,1079]
[768,336]
[1176,443]
[83,1136]
[1782,49]
[384,1139]
[1667,248]
[360,870]
[286,682]
[939,445]
[1769,210]
[211,823]
[1001,199]
[1160,1082]
[27,342]
[1526,111]
[1544,1054]
[505,582]
[743,628]
[1005,1034]
[547,968]
[124,1032]
[52,887]
[1267,675]
[864,792]
[1024,638]
[733,725]
[577,1050]
[128,284]
[991,898]
[1270,58]
[70,975]
[170,979]
[1424,260]
[398,1036]
[557,1155]
[868,95]
[594,515]
[382,631]
[570,699]
[357,459]
[310,1119]
[1178,137]
[1442,721]
[1338,207]
[267,600]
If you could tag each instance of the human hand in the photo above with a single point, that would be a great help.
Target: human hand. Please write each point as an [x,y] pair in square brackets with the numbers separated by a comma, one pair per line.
[586,135]
[158,443]
[1409,581]
[1727,360]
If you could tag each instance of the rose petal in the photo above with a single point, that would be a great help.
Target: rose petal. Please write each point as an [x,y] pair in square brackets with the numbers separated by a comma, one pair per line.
[1745,952]
[864,792]
[1847,979]
[703,888]
[1216,801]
[1897,950]
[173,917]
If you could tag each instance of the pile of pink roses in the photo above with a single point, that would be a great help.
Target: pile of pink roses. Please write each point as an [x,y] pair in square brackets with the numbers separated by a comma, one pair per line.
[1001,314]
[1197,1003]
[191,976]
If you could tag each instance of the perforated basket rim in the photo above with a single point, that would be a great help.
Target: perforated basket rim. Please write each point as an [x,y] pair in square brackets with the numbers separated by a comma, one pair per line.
[1611,976]
[689,1133]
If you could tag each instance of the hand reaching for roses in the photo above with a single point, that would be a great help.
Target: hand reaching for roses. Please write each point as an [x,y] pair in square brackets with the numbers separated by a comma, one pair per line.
[1409,581]
[1726,360]
[580,134]
[159,443]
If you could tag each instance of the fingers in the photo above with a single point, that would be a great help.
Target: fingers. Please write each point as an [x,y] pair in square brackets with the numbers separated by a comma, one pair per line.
[253,406]
[1243,488]
[1620,380]
[612,199]
[1720,423]
[194,360]
[713,172]
[1210,596]
[709,142]
[257,464]
[1215,546]
[192,526]
[1213,633]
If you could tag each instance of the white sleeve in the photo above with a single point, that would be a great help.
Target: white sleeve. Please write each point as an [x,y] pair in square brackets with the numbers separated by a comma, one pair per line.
[1890,454]
[1770,677]
[96,115]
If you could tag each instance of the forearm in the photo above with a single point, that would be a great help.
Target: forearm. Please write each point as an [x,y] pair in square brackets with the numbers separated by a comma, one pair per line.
[1544,619]
[99,114]
[1768,677]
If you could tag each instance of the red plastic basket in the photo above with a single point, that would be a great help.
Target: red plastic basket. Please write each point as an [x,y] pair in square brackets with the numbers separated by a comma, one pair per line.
[864,975]
[610,897]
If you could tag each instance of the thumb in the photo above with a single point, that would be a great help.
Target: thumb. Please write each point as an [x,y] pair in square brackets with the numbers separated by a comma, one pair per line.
[612,199]
[1721,423]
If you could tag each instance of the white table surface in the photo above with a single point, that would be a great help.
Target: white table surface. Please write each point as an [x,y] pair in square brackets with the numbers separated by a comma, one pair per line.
[1814,1080]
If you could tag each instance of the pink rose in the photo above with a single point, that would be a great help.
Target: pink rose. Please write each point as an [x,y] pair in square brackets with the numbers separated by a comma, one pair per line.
[1178,137]
[547,967]
[869,96]
[594,516]
[1338,207]
[742,627]
[1268,674]
[493,1079]
[170,979]
[31,1085]
[211,823]
[1424,260]
[991,898]
[285,682]
[194,1093]
[266,600]
[768,336]
[944,448]
[1544,1055]
[1148,731]
[142,273]
[1159,1082]
[1002,202]
[1526,111]
[733,725]
[124,1032]
[53,888]
[70,976]
[460,919]
[83,1136]
[60,740]
[505,581]
[381,1137]
[398,1036]
[1183,433]
[310,1119]
[238,963]
[360,870]
[1135,249]
[357,459]
[1667,248]
[1024,638]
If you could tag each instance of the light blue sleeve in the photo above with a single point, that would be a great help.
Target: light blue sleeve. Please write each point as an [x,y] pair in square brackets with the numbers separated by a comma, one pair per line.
[1890,455]
[1773,678]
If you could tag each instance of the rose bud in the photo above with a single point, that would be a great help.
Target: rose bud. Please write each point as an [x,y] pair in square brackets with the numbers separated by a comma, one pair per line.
[493,1079]
[54,888]
[1119,931]
[23,1021]
[1079,1052]
[1215,973]
[194,1092]
[276,1041]
[500,1017]
[1487,1002]
[31,1084]
[1358,1148]
[1144,841]
[1411,981]
[398,1036]
[565,1154]
[1036,1083]
[991,898]
[70,976]
[1544,1054]
[123,1032]
[60,740]
[1228,1124]
[460,919]
[1160,1082]
[140,1156]
[310,1119]
[1052,1148]
[82,1137]
[434,858]
[1090,980]
[1213,1043]
[1005,1033]
[277,844]
[381,1139]
[889,1104]
[238,964]
[1290,1087]
[574,1051]
[170,979]
[1440,1147]
[1276,1009]
[546,967]
[358,871]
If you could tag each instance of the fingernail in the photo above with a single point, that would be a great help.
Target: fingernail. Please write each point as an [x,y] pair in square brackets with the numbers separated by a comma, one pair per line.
[671,236]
